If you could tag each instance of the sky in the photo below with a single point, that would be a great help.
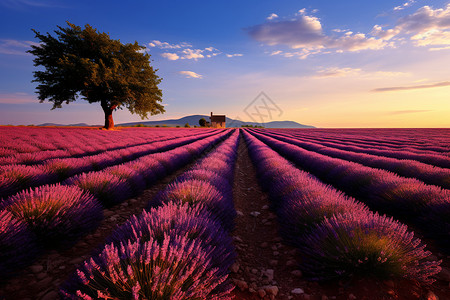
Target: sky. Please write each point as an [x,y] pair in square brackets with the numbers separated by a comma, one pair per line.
[330,64]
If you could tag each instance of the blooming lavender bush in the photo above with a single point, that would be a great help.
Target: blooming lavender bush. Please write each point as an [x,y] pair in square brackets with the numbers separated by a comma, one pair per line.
[365,244]
[63,168]
[150,168]
[14,178]
[216,165]
[57,214]
[177,268]
[310,204]
[18,245]
[134,179]
[198,192]
[217,180]
[190,220]
[107,188]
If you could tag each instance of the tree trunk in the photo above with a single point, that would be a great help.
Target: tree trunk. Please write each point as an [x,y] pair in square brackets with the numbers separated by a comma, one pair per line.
[108,110]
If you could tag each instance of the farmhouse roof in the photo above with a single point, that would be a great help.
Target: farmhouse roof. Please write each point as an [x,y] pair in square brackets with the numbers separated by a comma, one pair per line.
[217,118]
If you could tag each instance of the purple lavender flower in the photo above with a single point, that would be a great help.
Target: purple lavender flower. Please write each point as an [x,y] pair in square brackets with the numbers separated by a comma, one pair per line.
[190,220]
[107,188]
[67,167]
[195,192]
[150,168]
[177,268]
[18,245]
[217,180]
[365,244]
[134,179]
[57,214]
[18,177]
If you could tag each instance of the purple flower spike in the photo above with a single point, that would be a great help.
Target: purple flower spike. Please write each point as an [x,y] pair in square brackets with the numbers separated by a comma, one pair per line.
[198,192]
[218,181]
[366,244]
[134,178]
[177,268]
[309,205]
[192,221]
[57,214]
[18,177]
[107,188]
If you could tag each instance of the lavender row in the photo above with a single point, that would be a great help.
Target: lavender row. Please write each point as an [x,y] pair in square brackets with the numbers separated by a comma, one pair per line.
[413,139]
[337,236]
[77,140]
[89,147]
[14,178]
[179,249]
[53,216]
[438,160]
[425,206]
[407,168]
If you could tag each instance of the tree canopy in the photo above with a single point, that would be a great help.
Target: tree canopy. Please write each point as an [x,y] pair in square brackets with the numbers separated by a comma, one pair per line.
[202,122]
[88,64]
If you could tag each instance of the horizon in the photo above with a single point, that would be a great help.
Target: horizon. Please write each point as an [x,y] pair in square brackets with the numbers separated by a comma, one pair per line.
[328,65]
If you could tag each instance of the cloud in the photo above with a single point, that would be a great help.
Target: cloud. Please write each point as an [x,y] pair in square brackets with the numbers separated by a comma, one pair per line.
[432,37]
[403,88]
[15,47]
[190,74]
[185,50]
[337,72]
[356,42]
[305,31]
[409,111]
[405,5]
[424,19]
[17,98]
[300,54]
[272,16]
[166,45]
[170,56]
[388,34]
[344,72]
[439,48]
[425,27]
[233,55]
[192,54]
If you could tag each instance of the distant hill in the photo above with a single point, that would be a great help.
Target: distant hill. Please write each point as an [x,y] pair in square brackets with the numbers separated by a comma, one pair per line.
[193,120]
[69,125]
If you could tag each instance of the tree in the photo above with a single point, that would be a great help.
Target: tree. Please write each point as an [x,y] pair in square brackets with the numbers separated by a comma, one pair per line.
[187,125]
[89,64]
[202,122]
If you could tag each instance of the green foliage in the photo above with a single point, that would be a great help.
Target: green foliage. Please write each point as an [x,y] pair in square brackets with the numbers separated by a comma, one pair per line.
[202,122]
[88,64]
[187,125]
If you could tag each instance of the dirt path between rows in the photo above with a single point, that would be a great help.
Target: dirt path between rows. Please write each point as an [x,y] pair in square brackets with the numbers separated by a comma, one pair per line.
[265,267]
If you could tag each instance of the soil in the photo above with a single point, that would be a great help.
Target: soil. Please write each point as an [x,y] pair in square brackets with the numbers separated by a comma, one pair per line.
[266,268]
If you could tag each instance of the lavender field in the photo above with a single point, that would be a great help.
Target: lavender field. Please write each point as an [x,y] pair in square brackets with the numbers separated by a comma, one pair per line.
[155,213]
